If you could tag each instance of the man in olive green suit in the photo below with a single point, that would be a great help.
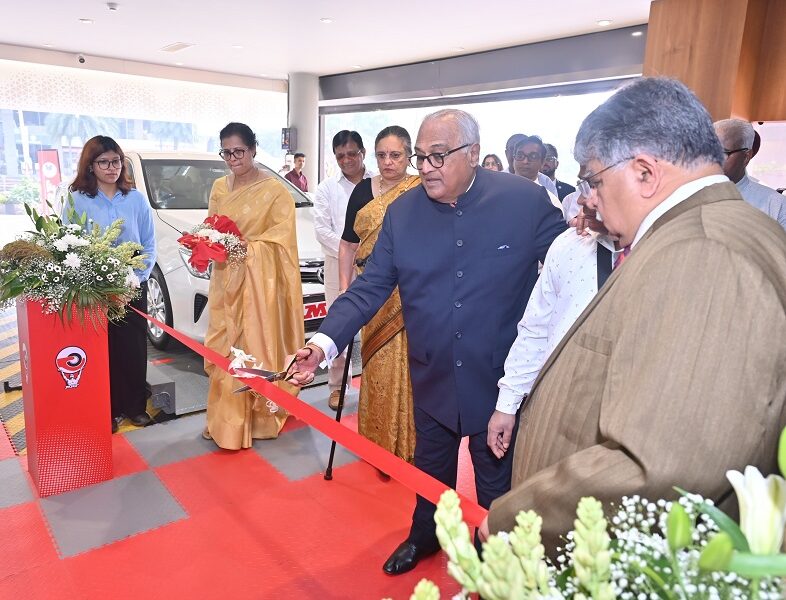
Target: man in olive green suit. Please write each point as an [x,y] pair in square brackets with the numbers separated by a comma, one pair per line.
[676,371]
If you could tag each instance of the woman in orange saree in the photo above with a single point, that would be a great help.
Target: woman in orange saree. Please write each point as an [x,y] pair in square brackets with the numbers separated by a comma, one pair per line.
[256,306]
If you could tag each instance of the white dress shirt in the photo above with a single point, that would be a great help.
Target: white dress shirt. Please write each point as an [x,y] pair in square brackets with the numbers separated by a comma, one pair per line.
[330,210]
[547,183]
[566,286]
[766,199]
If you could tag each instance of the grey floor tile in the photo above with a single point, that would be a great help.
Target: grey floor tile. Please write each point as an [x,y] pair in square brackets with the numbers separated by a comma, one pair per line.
[301,453]
[107,512]
[14,487]
[13,409]
[172,441]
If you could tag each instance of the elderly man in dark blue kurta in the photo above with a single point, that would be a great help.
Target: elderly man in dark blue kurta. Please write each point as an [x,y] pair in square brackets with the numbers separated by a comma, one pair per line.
[463,249]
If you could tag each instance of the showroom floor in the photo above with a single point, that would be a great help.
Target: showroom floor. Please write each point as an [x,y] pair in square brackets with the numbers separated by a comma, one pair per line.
[183,519]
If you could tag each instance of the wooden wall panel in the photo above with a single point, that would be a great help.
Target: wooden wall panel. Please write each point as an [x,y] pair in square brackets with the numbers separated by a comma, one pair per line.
[770,88]
[732,53]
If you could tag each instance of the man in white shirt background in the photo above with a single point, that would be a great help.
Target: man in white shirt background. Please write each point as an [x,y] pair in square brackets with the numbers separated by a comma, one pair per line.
[737,138]
[577,264]
[330,209]
[529,155]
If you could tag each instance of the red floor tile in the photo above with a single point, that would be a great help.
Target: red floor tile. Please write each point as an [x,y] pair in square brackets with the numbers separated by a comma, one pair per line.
[50,581]
[221,478]
[25,542]
[125,458]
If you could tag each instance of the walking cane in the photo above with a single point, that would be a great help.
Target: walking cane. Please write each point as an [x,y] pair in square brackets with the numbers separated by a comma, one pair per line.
[342,393]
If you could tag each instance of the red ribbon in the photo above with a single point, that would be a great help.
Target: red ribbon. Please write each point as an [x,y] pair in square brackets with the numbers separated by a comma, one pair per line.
[408,475]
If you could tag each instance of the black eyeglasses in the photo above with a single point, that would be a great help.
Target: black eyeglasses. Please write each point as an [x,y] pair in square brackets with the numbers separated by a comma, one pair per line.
[531,157]
[550,159]
[730,152]
[435,159]
[104,164]
[585,186]
[228,154]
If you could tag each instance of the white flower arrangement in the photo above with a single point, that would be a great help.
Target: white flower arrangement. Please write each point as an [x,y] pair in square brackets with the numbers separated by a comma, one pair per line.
[645,551]
[70,267]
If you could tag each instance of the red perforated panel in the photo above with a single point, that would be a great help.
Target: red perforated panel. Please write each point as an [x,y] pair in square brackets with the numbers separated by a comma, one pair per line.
[65,381]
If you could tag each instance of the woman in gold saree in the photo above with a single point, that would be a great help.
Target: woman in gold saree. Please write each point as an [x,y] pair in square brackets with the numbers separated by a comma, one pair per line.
[385,409]
[256,306]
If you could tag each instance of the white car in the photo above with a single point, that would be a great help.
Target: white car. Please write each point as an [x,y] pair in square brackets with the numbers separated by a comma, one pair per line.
[177,185]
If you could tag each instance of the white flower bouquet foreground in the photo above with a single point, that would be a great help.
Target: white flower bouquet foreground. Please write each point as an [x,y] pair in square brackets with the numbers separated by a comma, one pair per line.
[71,269]
[646,550]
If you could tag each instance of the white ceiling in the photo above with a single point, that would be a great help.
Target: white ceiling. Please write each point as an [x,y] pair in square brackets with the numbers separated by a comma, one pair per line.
[287,36]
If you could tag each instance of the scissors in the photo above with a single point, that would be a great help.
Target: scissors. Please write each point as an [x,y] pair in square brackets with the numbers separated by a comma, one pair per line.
[268,375]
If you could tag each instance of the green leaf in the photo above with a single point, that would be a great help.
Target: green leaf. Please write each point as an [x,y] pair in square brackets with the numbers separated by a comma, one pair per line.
[758,565]
[724,523]
[679,529]
[782,452]
[717,553]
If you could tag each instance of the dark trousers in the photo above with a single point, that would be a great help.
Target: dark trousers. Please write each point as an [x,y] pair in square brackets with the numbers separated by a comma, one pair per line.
[128,360]
[436,453]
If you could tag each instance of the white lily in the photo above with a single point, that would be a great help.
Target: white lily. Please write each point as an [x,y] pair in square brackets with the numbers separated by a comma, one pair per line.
[762,508]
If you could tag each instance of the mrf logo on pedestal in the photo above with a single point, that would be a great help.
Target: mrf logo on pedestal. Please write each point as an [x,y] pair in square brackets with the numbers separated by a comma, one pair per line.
[70,362]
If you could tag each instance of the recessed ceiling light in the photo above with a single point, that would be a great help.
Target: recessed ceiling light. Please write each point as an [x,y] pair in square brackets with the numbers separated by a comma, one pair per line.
[326,20]
[357,66]
[637,33]
[459,48]
[86,21]
[179,64]
[263,75]
[604,22]
[49,45]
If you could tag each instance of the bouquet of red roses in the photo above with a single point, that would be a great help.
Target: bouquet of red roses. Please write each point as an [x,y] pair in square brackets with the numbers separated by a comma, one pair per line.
[217,239]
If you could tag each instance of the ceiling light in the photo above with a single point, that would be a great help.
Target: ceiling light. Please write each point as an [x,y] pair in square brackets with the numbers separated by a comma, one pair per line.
[604,22]
[86,21]
[176,47]
[49,45]
[637,33]
[357,66]
[459,48]
[179,64]
[111,6]
[326,20]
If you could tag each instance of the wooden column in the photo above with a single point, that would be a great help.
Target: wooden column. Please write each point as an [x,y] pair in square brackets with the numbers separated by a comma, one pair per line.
[732,53]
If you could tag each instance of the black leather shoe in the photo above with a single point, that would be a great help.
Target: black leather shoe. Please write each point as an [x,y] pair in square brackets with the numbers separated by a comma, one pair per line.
[115,423]
[141,420]
[407,556]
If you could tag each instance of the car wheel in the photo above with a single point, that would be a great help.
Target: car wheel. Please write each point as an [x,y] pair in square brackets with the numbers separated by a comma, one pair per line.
[158,307]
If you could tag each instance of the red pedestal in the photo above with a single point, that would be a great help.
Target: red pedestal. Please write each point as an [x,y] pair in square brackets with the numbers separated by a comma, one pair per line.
[65,386]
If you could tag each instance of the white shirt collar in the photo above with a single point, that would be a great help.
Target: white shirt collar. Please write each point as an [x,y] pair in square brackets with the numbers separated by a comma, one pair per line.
[681,194]
[366,175]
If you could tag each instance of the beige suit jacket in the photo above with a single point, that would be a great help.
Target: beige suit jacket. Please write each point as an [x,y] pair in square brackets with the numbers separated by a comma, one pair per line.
[674,373]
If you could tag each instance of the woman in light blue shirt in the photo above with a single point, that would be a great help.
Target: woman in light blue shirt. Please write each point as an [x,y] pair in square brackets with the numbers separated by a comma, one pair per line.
[103,190]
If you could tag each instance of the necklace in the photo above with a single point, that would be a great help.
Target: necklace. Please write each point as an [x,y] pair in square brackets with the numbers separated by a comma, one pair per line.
[381,186]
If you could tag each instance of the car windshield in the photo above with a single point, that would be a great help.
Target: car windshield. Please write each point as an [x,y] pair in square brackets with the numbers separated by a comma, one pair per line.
[186,183]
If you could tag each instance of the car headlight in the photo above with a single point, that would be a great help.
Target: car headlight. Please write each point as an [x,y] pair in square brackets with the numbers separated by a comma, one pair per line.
[185,254]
